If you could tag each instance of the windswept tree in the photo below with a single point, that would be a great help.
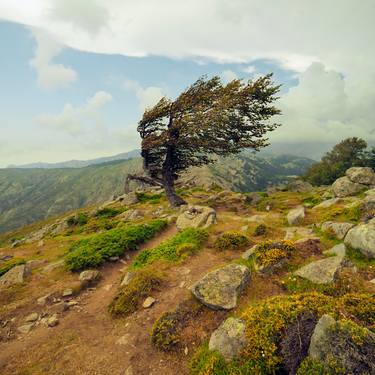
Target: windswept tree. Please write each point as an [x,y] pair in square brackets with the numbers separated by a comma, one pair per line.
[208,119]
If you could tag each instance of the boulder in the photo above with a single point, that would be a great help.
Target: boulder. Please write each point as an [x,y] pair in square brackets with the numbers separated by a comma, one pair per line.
[339,250]
[322,271]
[335,340]
[299,186]
[89,277]
[229,339]
[343,187]
[219,289]
[327,203]
[128,199]
[361,175]
[296,215]
[16,275]
[196,217]
[338,229]
[127,278]
[362,238]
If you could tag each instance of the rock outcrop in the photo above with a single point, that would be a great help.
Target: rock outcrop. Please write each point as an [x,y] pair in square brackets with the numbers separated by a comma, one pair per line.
[362,238]
[219,289]
[296,215]
[196,217]
[356,179]
[16,275]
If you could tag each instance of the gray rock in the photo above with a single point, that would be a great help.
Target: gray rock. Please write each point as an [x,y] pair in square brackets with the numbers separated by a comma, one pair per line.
[127,278]
[343,187]
[67,292]
[128,199]
[48,298]
[320,343]
[296,215]
[33,317]
[339,250]
[322,271]
[219,289]
[26,328]
[16,275]
[52,321]
[196,217]
[229,339]
[89,277]
[299,186]
[338,229]
[362,238]
[327,203]
[129,215]
[361,175]
[148,302]
[248,253]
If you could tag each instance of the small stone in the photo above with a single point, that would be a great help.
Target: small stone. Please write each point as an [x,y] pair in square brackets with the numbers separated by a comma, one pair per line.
[114,259]
[248,253]
[52,321]
[148,302]
[58,308]
[186,350]
[67,292]
[72,303]
[32,317]
[26,328]
[127,278]
[42,301]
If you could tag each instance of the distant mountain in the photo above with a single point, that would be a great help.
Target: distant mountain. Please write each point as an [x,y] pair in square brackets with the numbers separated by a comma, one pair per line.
[28,195]
[80,163]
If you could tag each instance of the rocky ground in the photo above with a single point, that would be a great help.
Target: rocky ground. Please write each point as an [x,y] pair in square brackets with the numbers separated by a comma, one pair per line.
[276,282]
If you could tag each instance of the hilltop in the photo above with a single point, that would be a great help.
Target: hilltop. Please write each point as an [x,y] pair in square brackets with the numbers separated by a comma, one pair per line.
[235,283]
[28,195]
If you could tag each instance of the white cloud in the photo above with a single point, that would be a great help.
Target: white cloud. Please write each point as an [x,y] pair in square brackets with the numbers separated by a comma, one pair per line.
[147,97]
[324,107]
[228,75]
[50,76]
[76,120]
[250,69]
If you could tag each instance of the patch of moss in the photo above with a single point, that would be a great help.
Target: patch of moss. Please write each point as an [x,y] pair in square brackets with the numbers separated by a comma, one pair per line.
[359,259]
[149,198]
[108,212]
[9,264]
[175,249]
[129,297]
[231,240]
[94,251]
[78,220]
[267,320]
[311,366]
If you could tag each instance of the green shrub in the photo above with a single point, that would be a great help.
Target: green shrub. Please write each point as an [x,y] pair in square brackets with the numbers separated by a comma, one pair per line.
[177,248]
[79,219]
[149,198]
[311,366]
[97,249]
[108,212]
[129,297]
[260,230]
[231,240]
[9,264]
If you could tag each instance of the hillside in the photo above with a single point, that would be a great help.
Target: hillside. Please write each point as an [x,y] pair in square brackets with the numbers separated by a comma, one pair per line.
[278,283]
[27,195]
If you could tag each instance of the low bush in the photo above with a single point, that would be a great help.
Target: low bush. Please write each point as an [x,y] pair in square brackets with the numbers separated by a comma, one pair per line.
[108,212]
[231,240]
[177,248]
[94,251]
[78,220]
[149,198]
[260,230]
[129,297]
[266,324]
[9,264]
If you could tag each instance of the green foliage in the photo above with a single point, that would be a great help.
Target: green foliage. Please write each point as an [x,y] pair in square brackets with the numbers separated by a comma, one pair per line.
[108,212]
[231,240]
[359,259]
[9,264]
[94,251]
[311,366]
[149,198]
[351,214]
[266,321]
[129,297]
[348,153]
[79,219]
[173,249]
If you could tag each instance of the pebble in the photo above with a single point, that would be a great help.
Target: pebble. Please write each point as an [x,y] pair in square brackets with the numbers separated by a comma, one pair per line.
[32,317]
[148,302]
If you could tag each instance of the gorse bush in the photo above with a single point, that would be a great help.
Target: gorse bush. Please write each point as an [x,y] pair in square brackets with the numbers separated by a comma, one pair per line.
[177,248]
[129,297]
[231,240]
[269,253]
[79,219]
[266,322]
[9,264]
[94,251]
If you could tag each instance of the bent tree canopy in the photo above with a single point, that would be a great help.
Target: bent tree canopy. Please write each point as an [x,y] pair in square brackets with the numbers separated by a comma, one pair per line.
[208,119]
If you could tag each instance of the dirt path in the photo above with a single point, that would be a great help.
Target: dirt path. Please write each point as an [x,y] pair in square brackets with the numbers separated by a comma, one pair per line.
[89,341]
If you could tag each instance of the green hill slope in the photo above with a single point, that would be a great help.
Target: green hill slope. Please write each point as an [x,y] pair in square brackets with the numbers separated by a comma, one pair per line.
[28,195]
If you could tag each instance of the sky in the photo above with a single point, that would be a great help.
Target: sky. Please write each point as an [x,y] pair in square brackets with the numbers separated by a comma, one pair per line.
[76,75]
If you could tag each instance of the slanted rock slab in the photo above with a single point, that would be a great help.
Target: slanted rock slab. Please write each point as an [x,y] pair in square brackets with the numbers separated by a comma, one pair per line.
[296,216]
[343,187]
[16,275]
[361,175]
[362,238]
[196,217]
[219,289]
[320,342]
[322,271]
[229,339]
[338,229]
[327,203]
